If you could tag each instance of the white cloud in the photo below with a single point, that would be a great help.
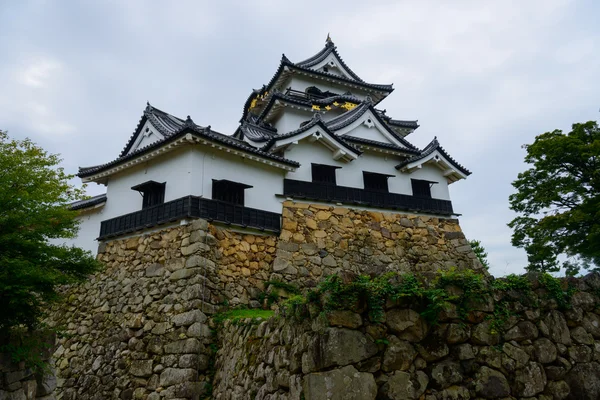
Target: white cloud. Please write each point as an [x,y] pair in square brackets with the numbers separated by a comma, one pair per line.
[38,73]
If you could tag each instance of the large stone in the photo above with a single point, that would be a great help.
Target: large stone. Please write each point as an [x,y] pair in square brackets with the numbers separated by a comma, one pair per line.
[344,318]
[516,353]
[580,353]
[154,270]
[141,368]
[337,347]
[529,380]
[491,384]
[46,383]
[557,328]
[407,324]
[457,333]
[198,329]
[456,393]
[583,300]
[446,373]
[202,263]
[172,376]
[591,323]
[544,350]
[404,386]
[580,335]
[482,334]
[280,264]
[340,384]
[433,348]
[188,318]
[398,355]
[584,381]
[186,346]
[524,330]
[559,390]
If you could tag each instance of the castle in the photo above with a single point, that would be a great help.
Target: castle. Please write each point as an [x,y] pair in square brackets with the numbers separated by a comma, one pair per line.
[313,133]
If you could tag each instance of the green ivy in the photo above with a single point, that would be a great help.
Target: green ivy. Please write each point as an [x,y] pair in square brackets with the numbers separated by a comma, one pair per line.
[555,290]
[288,287]
[28,347]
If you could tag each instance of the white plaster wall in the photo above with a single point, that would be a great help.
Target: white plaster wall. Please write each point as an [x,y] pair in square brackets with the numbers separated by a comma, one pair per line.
[431,173]
[174,167]
[290,119]
[89,228]
[146,138]
[372,133]
[351,174]
[267,181]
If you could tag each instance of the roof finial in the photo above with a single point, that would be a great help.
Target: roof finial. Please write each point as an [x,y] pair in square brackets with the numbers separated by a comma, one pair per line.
[189,121]
[328,41]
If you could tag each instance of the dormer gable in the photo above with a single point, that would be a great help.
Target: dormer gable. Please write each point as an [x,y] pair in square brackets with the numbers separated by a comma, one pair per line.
[315,131]
[434,154]
[154,125]
[147,135]
[364,122]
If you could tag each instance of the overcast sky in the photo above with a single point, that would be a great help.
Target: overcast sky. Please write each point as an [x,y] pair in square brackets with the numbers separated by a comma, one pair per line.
[484,77]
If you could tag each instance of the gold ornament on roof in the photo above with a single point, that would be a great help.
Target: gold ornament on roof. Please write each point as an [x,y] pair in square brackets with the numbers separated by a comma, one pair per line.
[349,106]
[253,103]
[328,108]
[316,107]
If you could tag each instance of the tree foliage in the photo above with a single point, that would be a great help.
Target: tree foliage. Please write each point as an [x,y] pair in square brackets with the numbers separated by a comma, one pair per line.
[34,198]
[558,199]
[480,252]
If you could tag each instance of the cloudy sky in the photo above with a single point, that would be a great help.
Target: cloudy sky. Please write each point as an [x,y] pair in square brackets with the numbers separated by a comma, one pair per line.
[484,76]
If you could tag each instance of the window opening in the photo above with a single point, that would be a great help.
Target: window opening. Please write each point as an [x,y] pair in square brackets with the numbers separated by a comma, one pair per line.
[376,182]
[324,174]
[229,191]
[422,188]
[153,193]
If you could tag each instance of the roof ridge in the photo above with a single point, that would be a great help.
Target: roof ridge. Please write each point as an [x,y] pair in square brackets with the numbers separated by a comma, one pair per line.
[430,148]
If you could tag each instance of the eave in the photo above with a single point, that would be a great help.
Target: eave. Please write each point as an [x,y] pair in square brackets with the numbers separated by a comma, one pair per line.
[287,68]
[184,138]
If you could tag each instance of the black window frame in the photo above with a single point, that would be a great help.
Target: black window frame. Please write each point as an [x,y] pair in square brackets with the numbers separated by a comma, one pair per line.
[324,174]
[153,193]
[229,191]
[422,188]
[376,182]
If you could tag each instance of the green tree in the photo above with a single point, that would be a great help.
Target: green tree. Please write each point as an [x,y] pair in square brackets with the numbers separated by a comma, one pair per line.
[34,198]
[558,200]
[480,252]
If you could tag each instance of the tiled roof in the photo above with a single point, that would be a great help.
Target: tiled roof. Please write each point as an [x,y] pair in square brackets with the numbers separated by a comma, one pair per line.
[165,123]
[375,143]
[398,122]
[430,148]
[172,130]
[316,120]
[92,201]
[304,101]
[351,116]
[321,55]
[285,62]
[255,132]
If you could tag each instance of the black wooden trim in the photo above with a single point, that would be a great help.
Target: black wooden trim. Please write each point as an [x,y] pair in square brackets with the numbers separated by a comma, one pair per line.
[349,195]
[191,207]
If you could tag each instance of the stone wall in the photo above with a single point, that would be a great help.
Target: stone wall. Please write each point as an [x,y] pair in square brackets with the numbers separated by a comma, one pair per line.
[138,329]
[543,353]
[18,382]
[320,240]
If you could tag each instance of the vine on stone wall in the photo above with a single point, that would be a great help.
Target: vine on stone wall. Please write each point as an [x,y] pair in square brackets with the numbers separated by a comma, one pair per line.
[464,291]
